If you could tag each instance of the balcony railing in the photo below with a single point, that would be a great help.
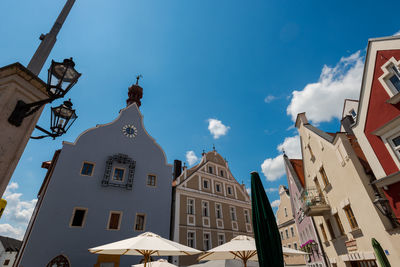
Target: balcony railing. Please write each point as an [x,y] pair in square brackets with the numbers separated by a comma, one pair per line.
[315,203]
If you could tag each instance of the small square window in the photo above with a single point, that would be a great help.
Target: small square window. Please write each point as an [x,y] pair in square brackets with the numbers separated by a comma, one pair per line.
[118,174]
[151,180]
[78,217]
[396,141]
[114,221]
[87,169]
[6,262]
[140,222]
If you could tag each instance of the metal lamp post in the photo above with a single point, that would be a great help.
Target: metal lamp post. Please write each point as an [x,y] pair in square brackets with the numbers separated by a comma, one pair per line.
[382,204]
[24,94]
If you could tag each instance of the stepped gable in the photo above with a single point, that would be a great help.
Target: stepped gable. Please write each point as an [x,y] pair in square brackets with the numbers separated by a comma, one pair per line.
[213,156]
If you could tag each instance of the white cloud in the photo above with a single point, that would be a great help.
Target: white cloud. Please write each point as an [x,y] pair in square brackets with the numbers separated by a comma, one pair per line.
[216,128]
[271,189]
[269,98]
[274,168]
[397,33]
[10,231]
[17,212]
[275,203]
[191,157]
[323,100]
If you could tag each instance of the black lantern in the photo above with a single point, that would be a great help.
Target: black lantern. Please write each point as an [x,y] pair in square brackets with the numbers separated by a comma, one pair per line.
[62,117]
[381,203]
[61,77]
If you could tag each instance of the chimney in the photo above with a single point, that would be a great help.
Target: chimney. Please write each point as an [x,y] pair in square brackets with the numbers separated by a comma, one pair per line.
[346,123]
[135,93]
[177,168]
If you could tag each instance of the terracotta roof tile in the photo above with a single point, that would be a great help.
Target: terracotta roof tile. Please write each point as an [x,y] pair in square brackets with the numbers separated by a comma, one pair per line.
[298,168]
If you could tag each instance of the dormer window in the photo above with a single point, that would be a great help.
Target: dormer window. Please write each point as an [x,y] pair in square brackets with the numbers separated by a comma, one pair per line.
[353,113]
[395,79]
[395,143]
[390,79]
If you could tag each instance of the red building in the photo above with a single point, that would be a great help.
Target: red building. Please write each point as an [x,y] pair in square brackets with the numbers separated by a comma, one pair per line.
[377,122]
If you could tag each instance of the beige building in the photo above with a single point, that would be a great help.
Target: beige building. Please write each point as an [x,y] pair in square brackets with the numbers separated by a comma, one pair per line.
[287,227]
[209,206]
[339,196]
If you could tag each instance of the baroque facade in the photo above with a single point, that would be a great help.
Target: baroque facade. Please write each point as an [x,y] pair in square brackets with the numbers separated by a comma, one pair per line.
[339,196]
[307,234]
[210,206]
[287,227]
[112,183]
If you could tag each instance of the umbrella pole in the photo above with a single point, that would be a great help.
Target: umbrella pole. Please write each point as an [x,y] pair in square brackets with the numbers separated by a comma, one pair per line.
[245,262]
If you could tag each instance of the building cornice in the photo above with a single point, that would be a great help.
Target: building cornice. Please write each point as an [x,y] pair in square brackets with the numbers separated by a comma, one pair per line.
[213,197]
[291,221]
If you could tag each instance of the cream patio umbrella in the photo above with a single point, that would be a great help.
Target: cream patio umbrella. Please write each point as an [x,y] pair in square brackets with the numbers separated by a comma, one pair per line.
[293,252]
[159,263]
[147,244]
[241,247]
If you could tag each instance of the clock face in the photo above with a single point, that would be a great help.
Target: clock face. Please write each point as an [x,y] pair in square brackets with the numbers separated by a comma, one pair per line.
[129,130]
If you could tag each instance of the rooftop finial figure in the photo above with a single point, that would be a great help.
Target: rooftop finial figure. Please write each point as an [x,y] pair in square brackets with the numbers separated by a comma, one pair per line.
[214,147]
[138,78]
[135,93]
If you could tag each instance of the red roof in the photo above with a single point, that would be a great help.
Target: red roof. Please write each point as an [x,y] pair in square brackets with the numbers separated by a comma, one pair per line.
[298,168]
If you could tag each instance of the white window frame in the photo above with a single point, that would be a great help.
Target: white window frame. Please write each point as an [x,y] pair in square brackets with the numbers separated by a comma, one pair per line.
[208,183]
[386,83]
[233,218]
[194,238]
[223,238]
[216,209]
[209,241]
[208,208]
[220,187]
[192,206]
[246,213]
[83,220]
[387,137]
[144,222]
[227,190]
[119,220]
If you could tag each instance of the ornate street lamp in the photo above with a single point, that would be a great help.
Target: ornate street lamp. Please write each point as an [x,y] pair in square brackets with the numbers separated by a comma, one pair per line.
[382,205]
[62,117]
[62,76]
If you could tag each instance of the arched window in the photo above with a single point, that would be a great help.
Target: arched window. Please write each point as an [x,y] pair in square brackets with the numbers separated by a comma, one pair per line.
[59,261]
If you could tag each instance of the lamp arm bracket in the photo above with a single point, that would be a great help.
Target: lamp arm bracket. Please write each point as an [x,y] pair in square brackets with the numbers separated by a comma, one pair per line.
[23,110]
[48,134]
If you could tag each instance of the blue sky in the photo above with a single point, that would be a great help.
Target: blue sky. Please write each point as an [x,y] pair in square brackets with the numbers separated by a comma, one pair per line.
[250,66]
